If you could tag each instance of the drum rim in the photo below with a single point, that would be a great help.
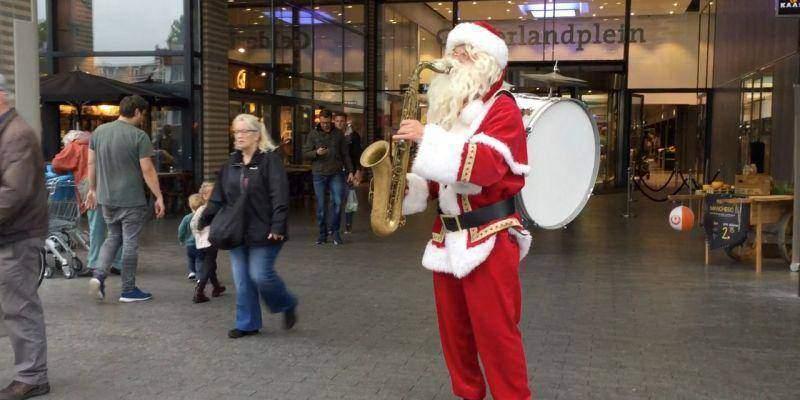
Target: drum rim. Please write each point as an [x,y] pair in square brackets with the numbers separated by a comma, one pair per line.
[523,211]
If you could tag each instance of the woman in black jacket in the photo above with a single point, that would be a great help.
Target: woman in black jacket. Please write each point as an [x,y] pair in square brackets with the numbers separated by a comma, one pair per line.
[257,170]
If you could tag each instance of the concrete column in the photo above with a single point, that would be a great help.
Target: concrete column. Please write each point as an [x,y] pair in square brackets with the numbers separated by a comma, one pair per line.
[19,59]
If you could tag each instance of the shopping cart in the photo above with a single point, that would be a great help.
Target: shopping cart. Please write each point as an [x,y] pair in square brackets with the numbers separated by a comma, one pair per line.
[63,233]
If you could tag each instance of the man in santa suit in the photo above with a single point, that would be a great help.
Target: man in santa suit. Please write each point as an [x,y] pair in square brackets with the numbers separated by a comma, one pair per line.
[472,156]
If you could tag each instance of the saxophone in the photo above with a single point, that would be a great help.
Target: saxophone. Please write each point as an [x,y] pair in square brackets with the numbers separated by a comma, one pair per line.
[390,161]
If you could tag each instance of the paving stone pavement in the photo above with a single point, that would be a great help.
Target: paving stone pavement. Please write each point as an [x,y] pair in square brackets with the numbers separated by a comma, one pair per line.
[613,309]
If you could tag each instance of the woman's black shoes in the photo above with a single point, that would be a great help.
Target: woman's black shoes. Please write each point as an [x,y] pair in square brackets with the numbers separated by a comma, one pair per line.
[236,334]
[289,319]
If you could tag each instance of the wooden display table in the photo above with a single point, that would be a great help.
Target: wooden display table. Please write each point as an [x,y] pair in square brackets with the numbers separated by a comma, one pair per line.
[764,210]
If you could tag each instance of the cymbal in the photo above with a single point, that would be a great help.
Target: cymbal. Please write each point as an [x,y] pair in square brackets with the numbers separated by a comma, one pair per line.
[554,79]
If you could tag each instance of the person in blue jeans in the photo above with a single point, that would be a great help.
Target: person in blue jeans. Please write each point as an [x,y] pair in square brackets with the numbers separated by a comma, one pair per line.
[256,170]
[328,152]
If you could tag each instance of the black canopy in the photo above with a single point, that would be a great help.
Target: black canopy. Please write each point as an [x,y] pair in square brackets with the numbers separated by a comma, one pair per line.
[80,87]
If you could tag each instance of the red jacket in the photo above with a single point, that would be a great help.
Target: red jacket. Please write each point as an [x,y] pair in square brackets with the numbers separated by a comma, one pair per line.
[480,161]
[74,158]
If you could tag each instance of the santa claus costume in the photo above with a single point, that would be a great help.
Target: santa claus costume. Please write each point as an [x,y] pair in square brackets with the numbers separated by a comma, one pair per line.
[474,168]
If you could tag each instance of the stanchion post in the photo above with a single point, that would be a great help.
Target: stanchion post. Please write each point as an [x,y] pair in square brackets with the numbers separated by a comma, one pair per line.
[629,198]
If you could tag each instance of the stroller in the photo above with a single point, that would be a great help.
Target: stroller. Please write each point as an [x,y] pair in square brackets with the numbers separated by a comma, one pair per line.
[63,233]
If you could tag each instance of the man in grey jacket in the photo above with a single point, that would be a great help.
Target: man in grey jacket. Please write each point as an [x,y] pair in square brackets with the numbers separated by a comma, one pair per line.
[327,150]
[23,226]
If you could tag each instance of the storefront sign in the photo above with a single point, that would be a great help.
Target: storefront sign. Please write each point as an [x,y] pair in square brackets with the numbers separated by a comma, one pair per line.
[725,224]
[578,36]
[788,8]
[241,79]
[253,40]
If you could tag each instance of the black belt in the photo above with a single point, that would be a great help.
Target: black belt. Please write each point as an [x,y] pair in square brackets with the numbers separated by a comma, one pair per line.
[481,216]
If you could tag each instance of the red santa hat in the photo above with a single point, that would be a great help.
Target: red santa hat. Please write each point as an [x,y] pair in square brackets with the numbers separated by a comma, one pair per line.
[481,36]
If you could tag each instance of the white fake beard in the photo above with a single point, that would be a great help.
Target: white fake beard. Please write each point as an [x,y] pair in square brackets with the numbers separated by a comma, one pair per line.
[449,93]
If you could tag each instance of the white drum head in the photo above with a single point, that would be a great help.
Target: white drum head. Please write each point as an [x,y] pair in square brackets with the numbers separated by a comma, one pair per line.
[564,155]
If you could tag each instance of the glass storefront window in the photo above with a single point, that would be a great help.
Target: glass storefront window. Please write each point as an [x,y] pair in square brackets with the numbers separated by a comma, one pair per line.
[354,98]
[354,14]
[353,58]
[167,136]
[251,34]
[328,45]
[332,11]
[327,92]
[293,48]
[128,69]
[293,86]
[402,24]
[120,25]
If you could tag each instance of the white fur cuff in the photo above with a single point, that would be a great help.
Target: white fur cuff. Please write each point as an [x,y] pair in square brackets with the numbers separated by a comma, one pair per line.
[439,155]
[416,201]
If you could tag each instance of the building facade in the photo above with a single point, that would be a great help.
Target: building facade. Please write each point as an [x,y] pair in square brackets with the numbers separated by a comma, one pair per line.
[682,84]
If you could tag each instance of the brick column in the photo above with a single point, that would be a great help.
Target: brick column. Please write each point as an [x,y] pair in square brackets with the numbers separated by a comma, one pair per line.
[215,86]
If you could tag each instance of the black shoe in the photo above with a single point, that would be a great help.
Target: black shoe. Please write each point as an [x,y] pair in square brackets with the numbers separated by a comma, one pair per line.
[114,270]
[322,239]
[289,318]
[236,334]
[337,240]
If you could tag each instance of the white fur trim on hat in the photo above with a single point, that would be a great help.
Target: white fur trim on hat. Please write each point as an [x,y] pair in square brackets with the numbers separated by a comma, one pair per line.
[481,39]
[416,201]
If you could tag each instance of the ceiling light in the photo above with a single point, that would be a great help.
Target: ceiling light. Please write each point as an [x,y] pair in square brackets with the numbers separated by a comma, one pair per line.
[349,6]
[594,15]
[316,8]
[263,74]
[474,3]
[633,13]
[508,10]
[675,4]
[488,17]
[249,9]
[672,12]
[572,9]
[602,7]
[440,3]
[241,50]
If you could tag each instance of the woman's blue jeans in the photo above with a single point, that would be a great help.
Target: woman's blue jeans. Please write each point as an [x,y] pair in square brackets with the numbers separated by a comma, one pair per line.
[254,276]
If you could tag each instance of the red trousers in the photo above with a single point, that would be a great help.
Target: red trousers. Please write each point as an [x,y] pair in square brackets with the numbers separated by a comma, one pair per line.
[478,315]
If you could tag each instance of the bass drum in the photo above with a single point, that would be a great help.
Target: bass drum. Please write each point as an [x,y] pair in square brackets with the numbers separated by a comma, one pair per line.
[564,155]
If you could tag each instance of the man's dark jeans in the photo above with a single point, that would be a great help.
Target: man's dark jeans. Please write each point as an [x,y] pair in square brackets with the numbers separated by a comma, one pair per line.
[334,184]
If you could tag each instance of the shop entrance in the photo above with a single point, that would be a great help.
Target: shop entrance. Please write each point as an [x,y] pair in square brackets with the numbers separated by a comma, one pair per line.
[667,136]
